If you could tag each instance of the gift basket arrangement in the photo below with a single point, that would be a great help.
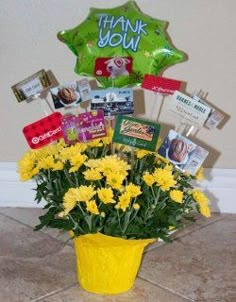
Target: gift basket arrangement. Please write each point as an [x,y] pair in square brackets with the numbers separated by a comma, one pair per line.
[107,177]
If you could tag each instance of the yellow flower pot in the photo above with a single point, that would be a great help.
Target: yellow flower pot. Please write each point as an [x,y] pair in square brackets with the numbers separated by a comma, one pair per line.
[108,265]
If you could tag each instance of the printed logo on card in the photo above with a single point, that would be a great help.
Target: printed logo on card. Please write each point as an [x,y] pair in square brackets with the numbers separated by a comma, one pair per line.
[113,67]
[44,131]
[160,85]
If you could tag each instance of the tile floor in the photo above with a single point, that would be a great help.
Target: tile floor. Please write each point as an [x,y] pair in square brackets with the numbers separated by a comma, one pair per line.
[200,265]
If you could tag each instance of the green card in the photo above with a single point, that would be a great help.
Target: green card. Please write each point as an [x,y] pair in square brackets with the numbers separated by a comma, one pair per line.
[136,133]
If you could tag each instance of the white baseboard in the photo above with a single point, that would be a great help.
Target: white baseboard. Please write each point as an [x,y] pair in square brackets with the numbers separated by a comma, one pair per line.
[220,186]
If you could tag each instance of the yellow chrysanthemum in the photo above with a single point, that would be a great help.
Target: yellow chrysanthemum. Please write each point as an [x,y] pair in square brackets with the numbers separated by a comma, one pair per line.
[136,206]
[134,190]
[91,207]
[164,179]
[115,180]
[113,164]
[82,193]
[93,163]
[168,167]
[205,210]
[77,161]
[148,179]
[106,195]
[69,201]
[108,139]
[124,201]
[71,151]
[200,175]
[46,163]
[27,166]
[200,197]
[92,174]
[140,153]
[176,195]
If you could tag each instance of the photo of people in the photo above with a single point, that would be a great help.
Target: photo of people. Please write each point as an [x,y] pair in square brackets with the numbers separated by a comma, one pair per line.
[182,152]
[112,101]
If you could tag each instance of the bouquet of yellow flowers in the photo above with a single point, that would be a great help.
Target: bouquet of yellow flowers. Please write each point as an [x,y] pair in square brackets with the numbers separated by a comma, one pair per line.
[100,187]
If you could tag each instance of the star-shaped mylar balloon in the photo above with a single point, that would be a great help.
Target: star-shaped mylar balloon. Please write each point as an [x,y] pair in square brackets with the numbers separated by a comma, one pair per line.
[121,32]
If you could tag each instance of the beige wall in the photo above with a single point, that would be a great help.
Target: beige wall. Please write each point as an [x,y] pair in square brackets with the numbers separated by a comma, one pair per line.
[205,30]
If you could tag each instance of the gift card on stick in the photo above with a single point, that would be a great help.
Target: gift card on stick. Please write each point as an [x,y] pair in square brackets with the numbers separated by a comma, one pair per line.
[136,133]
[182,152]
[160,85]
[44,131]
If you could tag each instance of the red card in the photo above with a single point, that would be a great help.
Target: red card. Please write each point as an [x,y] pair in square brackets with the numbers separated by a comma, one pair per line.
[113,67]
[160,85]
[44,131]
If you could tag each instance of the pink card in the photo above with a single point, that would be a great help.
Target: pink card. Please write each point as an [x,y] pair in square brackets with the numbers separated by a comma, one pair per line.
[91,125]
[160,85]
[69,126]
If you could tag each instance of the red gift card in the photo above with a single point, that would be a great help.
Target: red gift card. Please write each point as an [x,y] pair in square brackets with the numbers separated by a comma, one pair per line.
[113,67]
[44,131]
[160,85]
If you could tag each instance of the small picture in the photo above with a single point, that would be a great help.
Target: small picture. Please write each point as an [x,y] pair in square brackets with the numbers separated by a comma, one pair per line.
[136,133]
[69,126]
[66,95]
[112,101]
[183,153]
[113,67]
[31,86]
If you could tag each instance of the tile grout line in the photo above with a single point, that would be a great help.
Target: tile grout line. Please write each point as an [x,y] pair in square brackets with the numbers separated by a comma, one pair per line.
[184,235]
[32,228]
[54,292]
[166,289]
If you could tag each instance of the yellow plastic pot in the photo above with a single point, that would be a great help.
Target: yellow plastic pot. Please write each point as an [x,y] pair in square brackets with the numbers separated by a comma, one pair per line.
[108,265]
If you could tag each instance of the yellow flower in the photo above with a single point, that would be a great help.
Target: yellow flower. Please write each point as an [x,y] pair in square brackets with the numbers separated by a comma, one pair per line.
[95,143]
[113,164]
[136,206]
[168,167]
[200,175]
[93,163]
[58,166]
[69,201]
[91,207]
[82,193]
[140,153]
[27,166]
[124,201]
[77,161]
[200,197]
[176,195]
[92,174]
[108,139]
[134,190]
[115,180]
[106,195]
[164,179]
[71,151]
[148,179]
[205,210]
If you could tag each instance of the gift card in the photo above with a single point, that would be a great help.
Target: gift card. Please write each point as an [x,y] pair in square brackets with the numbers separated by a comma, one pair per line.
[91,125]
[67,95]
[189,109]
[160,85]
[136,133]
[182,152]
[85,89]
[31,86]
[112,101]
[113,67]
[69,126]
[44,131]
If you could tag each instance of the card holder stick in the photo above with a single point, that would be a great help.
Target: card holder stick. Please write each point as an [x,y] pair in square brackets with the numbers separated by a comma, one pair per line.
[161,107]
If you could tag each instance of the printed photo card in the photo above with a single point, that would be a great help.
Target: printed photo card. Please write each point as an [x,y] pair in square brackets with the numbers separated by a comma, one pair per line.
[112,101]
[182,152]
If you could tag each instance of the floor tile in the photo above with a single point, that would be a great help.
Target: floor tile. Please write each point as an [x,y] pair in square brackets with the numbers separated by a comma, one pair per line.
[141,292]
[200,265]
[31,263]
[200,222]
[30,217]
